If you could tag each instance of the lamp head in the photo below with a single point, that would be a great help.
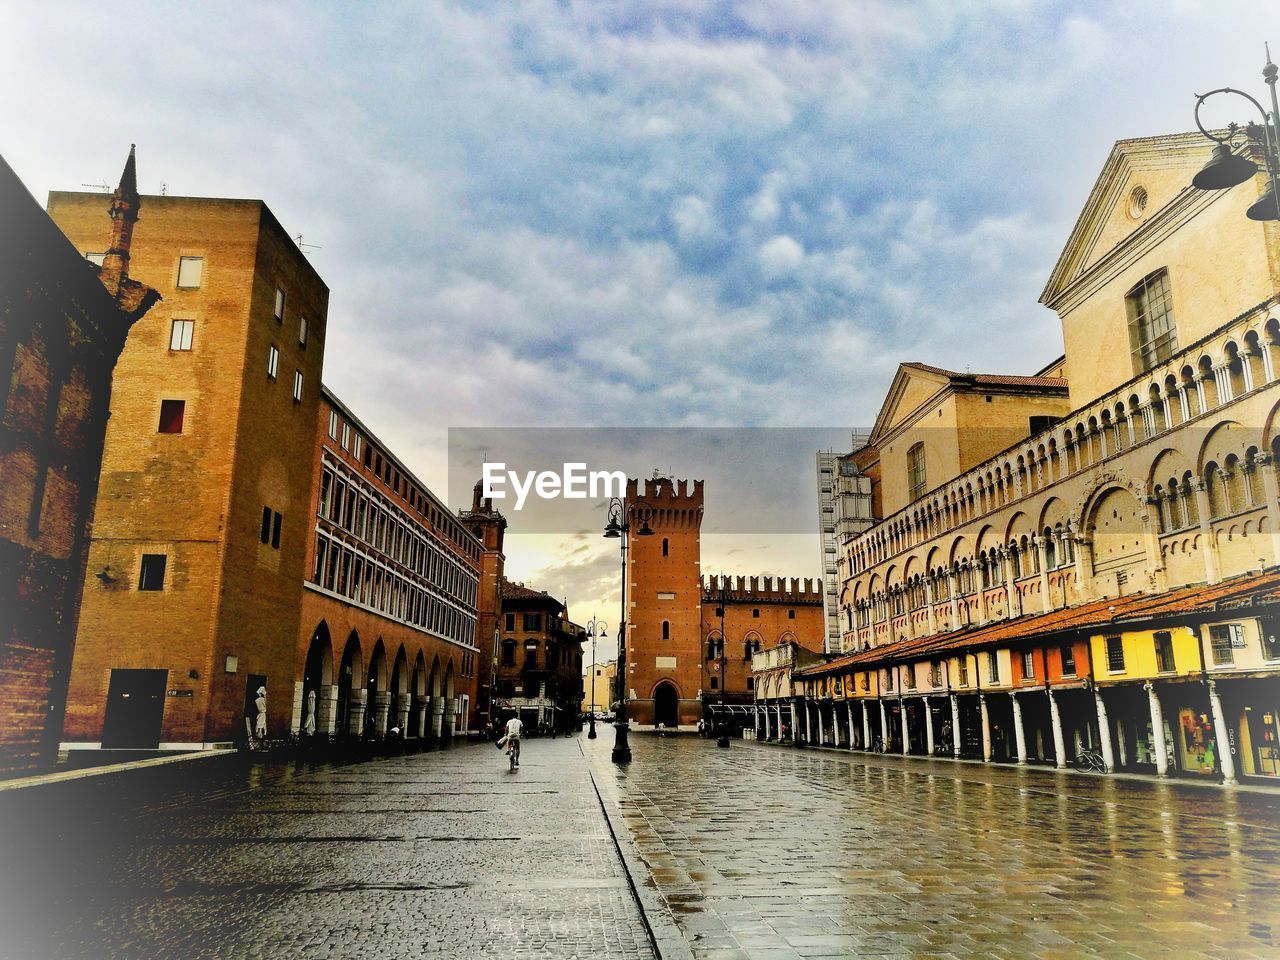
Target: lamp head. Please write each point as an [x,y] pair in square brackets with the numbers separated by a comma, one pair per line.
[1265,207]
[612,529]
[1224,170]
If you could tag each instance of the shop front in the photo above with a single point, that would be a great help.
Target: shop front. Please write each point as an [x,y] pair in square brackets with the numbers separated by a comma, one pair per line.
[1252,707]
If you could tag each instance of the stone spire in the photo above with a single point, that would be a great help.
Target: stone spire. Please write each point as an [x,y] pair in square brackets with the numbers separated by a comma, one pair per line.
[124,214]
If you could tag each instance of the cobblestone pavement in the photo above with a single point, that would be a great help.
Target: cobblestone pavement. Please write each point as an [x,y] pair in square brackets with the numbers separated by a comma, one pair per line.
[771,852]
[439,854]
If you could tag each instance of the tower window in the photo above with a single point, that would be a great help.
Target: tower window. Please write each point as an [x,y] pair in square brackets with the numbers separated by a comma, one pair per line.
[181,333]
[278,310]
[172,413]
[791,614]
[273,361]
[297,386]
[665,545]
[302,332]
[755,613]
[190,272]
[151,574]
[666,629]
[1153,337]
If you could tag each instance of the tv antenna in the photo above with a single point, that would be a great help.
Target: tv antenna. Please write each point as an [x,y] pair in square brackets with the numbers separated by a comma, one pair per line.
[304,247]
[164,188]
[104,186]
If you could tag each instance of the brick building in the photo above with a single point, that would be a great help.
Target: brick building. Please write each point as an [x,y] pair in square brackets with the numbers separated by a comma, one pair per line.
[63,323]
[690,639]
[539,673]
[388,630]
[598,691]
[213,424]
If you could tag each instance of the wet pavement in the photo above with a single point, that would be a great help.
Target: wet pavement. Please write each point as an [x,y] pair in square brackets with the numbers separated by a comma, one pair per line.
[441,854]
[773,852]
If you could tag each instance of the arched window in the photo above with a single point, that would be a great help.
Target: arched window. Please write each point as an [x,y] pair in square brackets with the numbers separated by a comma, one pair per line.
[666,544]
[666,629]
[916,471]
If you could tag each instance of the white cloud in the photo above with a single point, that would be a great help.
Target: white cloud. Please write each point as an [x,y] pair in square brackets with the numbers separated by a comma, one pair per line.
[780,255]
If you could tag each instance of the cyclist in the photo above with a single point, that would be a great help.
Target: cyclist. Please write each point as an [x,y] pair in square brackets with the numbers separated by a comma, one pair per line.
[515,729]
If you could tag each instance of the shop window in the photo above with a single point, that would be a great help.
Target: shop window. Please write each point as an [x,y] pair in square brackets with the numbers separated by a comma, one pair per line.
[1223,639]
[1068,654]
[1115,655]
[151,573]
[1164,652]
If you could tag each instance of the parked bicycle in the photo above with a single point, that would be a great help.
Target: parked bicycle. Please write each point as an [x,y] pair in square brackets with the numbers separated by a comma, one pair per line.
[1087,760]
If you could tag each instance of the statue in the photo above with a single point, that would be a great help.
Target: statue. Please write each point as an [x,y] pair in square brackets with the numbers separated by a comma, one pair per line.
[260,721]
[309,714]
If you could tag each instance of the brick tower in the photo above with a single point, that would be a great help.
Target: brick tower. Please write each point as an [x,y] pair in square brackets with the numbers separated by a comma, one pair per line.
[490,526]
[665,600]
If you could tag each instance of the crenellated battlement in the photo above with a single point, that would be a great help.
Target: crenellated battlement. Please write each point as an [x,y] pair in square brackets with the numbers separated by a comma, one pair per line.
[761,589]
[661,492]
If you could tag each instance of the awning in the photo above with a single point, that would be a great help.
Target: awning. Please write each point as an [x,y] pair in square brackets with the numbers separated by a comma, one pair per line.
[732,708]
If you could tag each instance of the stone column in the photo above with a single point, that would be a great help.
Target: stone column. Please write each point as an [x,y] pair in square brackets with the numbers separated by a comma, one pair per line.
[1059,743]
[1221,737]
[1042,557]
[822,723]
[295,722]
[953,584]
[906,727]
[437,716]
[849,720]
[381,704]
[355,723]
[1104,733]
[327,709]
[1266,466]
[402,721]
[1012,602]
[986,728]
[928,727]
[1157,730]
[884,727]
[928,599]
[955,725]
[866,726]
[1206,531]
[1019,735]
[795,730]
[420,721]
[1084,567]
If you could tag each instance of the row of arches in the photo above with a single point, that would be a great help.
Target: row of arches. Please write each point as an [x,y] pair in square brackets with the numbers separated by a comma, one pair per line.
[1173,395]
[373,694]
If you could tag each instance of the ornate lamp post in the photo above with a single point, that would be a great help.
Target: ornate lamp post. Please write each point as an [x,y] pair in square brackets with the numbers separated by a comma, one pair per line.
[621,517]
[596,628]
[1227,168]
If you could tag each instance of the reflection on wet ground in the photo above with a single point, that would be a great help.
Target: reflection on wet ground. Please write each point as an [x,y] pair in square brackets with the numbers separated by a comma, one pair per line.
[766,851]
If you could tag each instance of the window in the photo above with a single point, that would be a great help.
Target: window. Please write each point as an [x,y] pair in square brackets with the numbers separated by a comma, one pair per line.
[1164,652]
[915,470]
[1152,336]
[1028,665]
[1270,642]
[346,437]
[715,684]
[791,614]
[755,614]
[273,361]
[356,443]
[508,653]
[888,679]
[302,332]
[666,629]
[751,684]
[151,575]
[1115,654]
[511,621]
[964,671]
[533,621]
[279,306]
[95,258]
[297,386]
[935,674]
[333,425]
[719,611]
[171,415]
[910,677]
[993,667]
[666,544]
[180,334]
[190,272]
[1068,655]
[269,532]
[1223,639]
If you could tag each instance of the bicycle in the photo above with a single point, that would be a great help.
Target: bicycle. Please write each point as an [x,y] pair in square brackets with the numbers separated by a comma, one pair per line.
[1087,760]
[513,753]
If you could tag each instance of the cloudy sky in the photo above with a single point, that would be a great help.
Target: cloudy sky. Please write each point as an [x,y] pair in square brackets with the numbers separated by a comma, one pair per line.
[668,213]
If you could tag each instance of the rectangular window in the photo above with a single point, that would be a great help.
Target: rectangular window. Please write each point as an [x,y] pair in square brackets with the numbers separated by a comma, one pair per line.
[1115,655]
[273,361]
[1270,642]
[915,471]
[333,425]
[1068,654]
[264,531]
[346,437]
[172,413]
[1028,665]
[1153,337]
[533,621]
[356,443]
[151,575]
[278,310]
[297,386]
[1223,639]
[511,622]
[96,258]
[276,522]
[964,671]
[993,667]
[1164,652]
[181,333]
[302,332]
[190,272]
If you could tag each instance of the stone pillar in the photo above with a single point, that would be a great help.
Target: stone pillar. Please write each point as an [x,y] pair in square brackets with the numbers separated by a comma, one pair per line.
[437,716]
[795,730]
[1104,733]
[381,704]
[1084,567]
[849,719]
[402,720]
[1221,738]
[906,727]
[1158,743]
[955,725]
[1012,602]
[356,721]
[1019,735]
[928,727]
[822,723]
[1059,743]
[866,726]
[1266,466]
[326,709]
[884,727]
[928,599]
[986,728]
[1042,556]
[420,721]
[953,584]
[1206,531]
[295,722]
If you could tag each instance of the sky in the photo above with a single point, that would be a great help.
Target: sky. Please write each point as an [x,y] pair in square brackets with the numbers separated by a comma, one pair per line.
[662,214]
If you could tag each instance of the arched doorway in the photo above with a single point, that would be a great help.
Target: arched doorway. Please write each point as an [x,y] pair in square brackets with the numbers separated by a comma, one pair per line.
[350,709]
[418,701]
[666,705]
[398,711]
[316,715]
[377,699]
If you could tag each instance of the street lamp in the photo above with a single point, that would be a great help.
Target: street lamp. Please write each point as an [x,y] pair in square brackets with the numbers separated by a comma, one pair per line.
[596,628]
[723,739]
[1227,169]
[619,528]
